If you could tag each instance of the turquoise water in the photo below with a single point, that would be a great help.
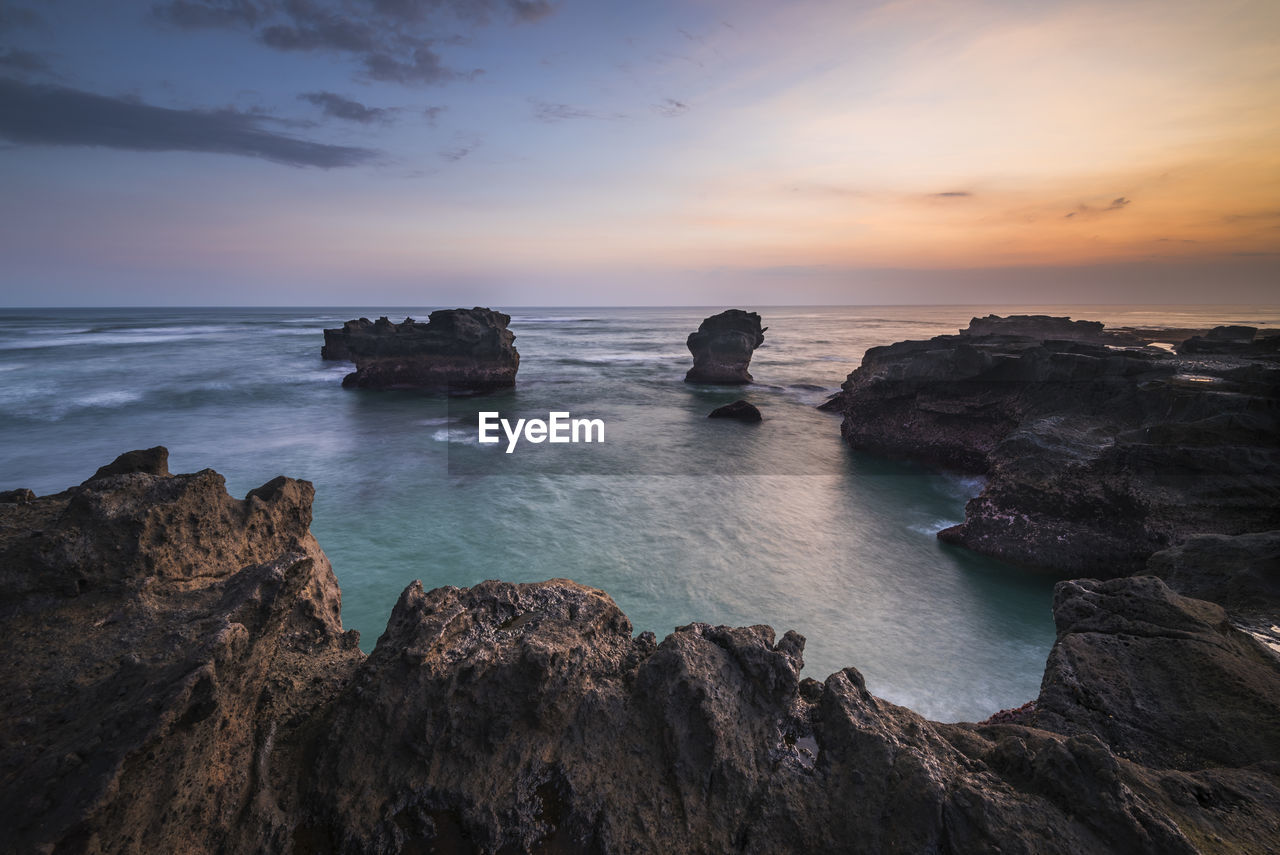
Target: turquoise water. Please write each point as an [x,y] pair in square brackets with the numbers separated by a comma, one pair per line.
[678,517]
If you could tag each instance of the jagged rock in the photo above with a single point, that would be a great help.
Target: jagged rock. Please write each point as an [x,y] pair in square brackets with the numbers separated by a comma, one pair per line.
[20,496]
[160,709]
[456,351]
[335,340]
[722,347]
[743,411]
[149,461]
[161,640]
[1095,457]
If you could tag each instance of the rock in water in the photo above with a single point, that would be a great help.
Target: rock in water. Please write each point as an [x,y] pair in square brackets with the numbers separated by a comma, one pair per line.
[722,347]
[456,351]
[743,411]
[335,340]
[176,679]
[1096,457]
[1035,326]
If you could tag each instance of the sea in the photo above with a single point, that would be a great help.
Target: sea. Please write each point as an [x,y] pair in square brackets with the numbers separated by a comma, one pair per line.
[680,518]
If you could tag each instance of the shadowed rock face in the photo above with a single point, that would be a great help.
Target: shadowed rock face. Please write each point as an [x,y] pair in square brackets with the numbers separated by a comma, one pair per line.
[743,411]
[457,350]
[1096,456]
[199,695]
[722,347]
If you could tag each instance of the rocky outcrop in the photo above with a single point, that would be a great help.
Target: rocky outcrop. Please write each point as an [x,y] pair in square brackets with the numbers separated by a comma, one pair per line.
[336,340]
[1095,456]
[456,351]
[722,347]
[163,643]
[177,679]
[1233,340]
[743,411]
[1035,326]
[1241,573]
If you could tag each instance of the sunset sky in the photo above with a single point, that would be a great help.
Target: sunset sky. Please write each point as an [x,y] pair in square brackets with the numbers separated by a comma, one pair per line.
[526,152]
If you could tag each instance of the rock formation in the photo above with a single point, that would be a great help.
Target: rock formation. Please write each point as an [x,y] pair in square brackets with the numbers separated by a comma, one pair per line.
[743,411]
[177,679]
[456,351]
[1095,457]
[722,347]
[335,340]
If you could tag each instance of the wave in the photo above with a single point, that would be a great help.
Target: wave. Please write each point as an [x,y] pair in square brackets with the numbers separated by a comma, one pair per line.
[934,526]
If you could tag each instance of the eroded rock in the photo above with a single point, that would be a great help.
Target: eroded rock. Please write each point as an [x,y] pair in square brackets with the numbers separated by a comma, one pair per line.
[1095,456]
[722,347]
[200,696]
[456,351]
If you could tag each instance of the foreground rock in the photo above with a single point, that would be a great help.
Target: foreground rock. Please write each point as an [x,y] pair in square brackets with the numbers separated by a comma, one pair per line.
[1096,457]
[722,347]
[163,643]
[177,679]
[456,351]
[743,411]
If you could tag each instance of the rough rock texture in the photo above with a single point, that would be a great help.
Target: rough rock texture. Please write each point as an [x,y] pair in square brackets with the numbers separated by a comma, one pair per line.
[1095,456]
[1241,573]
[743,411]
[335,340]
[456,351]
[162,641]
[722,347]
[176,679]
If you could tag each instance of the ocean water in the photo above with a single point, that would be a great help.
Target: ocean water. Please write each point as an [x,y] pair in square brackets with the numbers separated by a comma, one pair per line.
[680,518]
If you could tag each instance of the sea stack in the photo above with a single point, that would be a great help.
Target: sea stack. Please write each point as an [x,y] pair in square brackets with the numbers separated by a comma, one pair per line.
[456,351]
[722,347]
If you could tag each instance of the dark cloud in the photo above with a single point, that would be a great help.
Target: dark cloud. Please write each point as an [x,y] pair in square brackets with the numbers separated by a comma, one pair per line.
[392,39]
[432,114]
[460,149]
[1117,204]
[424,67]
[671,108]
[207,14]
[344,108]
[15,17]
[546,111]
[53,115]
[22,60]
[953,194]
[530,10]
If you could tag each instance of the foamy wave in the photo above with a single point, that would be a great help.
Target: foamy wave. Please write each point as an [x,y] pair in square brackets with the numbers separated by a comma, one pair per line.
[106,399]
[932,528]
[462,435]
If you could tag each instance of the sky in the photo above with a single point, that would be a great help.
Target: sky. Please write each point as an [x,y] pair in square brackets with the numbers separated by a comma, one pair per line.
[591,152]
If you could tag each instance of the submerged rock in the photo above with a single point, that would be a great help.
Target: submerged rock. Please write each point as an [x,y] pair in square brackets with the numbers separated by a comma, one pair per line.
[722,347]
[743,411]
[1095,456]
[456,351]
[198,695]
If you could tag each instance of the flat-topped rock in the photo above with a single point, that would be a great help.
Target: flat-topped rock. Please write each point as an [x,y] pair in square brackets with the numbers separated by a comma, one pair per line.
[1034,326]
[722,347]
[455,351]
